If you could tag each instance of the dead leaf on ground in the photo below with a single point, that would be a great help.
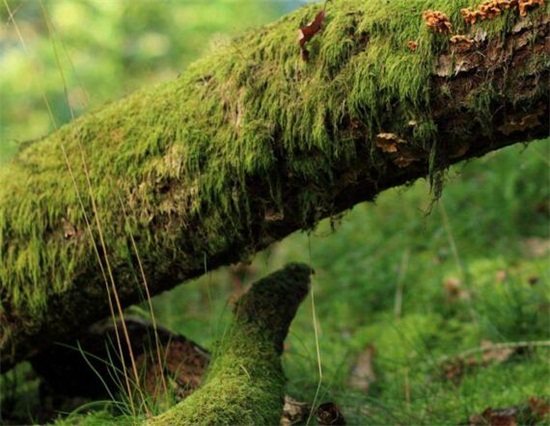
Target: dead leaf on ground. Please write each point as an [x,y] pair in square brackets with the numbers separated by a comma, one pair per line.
[294,412]
[533,412]
[536,247]
[454,290]
[362,374]
[539,406]
[454,370]
[501,275]
[487,353]
[495,417]
[495,352]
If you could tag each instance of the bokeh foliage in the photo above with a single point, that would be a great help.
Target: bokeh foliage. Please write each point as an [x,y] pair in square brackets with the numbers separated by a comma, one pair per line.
[93,51]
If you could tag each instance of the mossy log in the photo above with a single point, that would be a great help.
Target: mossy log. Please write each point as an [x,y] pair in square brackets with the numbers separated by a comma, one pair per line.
[245,383]
[250,145]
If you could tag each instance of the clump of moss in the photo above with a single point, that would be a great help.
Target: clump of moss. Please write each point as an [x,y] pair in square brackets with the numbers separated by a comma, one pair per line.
[245,383]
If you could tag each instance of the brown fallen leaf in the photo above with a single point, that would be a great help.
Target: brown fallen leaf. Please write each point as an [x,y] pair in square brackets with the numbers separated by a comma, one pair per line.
[454,290]
[454,368]
[495,352]
[294,412]
[495,417]
[533,412]
[539,407]
[535,247]
[501,276]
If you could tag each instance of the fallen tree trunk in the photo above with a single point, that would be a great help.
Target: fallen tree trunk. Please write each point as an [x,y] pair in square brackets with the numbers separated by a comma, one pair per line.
[250,145]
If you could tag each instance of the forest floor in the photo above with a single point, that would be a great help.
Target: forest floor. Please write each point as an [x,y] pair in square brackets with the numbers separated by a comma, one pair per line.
[423,309]
[427,313]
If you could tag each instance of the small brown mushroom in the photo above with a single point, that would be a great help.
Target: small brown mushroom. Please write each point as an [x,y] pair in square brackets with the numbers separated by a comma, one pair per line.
[438,21]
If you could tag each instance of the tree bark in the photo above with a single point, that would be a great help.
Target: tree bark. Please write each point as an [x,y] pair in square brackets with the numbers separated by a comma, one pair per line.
[250,145]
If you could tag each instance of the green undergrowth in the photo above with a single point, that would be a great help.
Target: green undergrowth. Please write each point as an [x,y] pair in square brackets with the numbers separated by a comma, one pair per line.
[489,243]
[229,119]
[387,279]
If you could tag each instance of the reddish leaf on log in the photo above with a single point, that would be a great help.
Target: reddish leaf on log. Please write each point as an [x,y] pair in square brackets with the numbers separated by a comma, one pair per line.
[412,45]
[306,33]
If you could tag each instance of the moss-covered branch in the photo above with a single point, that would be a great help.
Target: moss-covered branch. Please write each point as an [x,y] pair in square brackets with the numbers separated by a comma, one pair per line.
[250,145]
[245,384]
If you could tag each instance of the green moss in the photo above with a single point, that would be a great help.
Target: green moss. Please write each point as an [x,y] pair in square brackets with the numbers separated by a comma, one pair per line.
[178,155]
[245,383]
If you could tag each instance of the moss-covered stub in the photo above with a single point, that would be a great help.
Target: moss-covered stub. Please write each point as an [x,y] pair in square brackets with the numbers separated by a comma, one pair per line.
[245,383]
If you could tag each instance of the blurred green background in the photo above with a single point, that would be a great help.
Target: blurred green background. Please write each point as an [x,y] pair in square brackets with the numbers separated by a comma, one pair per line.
[413,279]
[78,54]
